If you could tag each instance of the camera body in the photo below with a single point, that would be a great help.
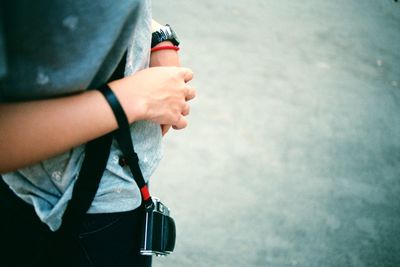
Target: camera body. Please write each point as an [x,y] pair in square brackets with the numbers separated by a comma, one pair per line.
[159,231]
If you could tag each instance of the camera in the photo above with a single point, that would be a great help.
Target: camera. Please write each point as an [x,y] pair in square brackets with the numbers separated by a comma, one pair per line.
[159,230]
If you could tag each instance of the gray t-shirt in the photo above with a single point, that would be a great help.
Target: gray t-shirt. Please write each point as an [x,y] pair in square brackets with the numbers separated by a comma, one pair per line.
[53,48]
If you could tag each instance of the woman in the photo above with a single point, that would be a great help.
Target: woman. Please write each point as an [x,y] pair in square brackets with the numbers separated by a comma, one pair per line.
[51,54]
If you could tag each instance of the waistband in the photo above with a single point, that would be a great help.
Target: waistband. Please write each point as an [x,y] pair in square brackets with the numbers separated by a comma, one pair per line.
[12,203]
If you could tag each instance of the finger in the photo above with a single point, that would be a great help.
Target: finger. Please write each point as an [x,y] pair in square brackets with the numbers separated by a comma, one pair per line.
[164,129]
[180,124]
[187,74]
[186,109]
[190,93]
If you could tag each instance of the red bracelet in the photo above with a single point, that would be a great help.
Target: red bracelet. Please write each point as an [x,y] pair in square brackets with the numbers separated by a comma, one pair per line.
[165,47]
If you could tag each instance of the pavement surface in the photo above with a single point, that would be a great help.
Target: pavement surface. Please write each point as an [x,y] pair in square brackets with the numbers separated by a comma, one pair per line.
[292,155]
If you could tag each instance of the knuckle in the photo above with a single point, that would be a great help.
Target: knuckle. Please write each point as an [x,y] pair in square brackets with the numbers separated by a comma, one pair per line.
[176,118]
[186,91]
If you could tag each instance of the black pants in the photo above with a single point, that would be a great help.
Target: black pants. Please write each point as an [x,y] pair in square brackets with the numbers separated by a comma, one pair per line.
[103,239]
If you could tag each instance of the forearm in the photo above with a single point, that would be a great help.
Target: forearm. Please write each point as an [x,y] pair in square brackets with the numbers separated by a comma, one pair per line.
[37,130]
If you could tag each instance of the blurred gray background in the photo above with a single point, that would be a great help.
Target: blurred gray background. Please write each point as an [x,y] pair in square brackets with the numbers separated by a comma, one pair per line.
[292,155]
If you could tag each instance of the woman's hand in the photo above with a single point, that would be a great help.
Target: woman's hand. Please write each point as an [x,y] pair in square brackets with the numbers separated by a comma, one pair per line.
[164,58]
[158,94]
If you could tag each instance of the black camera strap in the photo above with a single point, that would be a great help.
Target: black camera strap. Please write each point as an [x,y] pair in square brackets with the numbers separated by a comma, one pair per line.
[96,155]
[123,137]
[94,164]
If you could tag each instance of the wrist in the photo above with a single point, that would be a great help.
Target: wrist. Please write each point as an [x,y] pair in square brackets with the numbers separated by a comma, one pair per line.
[164,57]
[133,106]
[165,47]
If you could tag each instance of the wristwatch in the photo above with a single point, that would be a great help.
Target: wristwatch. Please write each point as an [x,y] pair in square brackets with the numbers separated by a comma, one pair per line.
[165,33]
